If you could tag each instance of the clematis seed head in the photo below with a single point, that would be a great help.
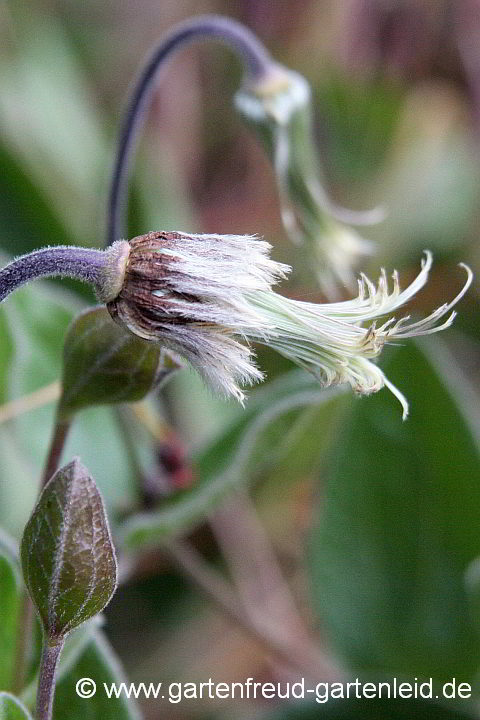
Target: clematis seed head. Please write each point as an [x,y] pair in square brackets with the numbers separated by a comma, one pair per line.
[207,297]
[190,293]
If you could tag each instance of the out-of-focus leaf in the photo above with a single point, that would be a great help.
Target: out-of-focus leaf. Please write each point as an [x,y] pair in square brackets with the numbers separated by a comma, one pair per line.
[10,602]
[9,548]
[238,454]
[12,709]
[37,318]
[400,524]
[431,182]
[6,354]
[68,558]
[106,364]
[371,709]
[359,119]
[27,221]
[99,663]
[60,140]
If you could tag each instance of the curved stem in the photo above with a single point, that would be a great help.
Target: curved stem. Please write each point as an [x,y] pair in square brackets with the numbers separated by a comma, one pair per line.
[257,63]
[82,263]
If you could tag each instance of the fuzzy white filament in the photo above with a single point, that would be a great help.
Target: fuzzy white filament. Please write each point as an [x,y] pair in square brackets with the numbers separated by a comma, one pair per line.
[208,296]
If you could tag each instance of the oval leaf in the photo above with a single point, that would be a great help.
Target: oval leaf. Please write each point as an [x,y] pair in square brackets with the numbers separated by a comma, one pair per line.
[67,554]
[106,364]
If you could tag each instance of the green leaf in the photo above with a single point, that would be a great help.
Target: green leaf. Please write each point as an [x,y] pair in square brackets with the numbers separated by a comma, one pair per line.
[9,548]
[371,709]
[37,317]
[399,527]
[106,364]
[10,605]
[99,663]
[12,709]
[240,452]
[67,554]
[6,355]
[361,118]
[61,140]
[27,221]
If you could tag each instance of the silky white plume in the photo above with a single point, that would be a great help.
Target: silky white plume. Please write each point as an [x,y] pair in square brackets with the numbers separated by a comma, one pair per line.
[208,296]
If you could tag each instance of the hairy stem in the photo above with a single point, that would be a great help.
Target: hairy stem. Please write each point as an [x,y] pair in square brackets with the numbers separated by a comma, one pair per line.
[257,63]
[82,263]
[46,680]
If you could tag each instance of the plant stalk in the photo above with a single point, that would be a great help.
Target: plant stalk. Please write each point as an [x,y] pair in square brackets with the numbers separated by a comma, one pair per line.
[62,260]
[57,444]
[46,681]
[257,63]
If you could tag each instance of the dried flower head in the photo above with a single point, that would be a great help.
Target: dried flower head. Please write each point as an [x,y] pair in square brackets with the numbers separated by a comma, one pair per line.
[208,296]
[191,292]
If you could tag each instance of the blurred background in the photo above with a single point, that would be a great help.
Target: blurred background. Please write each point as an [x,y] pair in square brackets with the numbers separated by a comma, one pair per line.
[350,541]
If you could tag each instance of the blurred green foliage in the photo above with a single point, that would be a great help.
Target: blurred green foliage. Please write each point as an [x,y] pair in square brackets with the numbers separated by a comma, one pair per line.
[375,521]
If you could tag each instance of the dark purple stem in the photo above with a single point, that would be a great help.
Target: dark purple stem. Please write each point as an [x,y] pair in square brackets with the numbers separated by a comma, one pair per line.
[256,61]
[81,263]
[46,680]
[57,444]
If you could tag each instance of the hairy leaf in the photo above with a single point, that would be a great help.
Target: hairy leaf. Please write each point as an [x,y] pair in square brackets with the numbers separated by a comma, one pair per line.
[67,554]
[106,364]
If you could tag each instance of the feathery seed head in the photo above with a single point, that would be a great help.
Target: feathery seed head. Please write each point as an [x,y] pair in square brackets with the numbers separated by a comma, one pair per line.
[208,296]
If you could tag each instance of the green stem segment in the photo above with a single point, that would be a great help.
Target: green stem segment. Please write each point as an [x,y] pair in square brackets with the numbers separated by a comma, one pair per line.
[257,63]
[46,681]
